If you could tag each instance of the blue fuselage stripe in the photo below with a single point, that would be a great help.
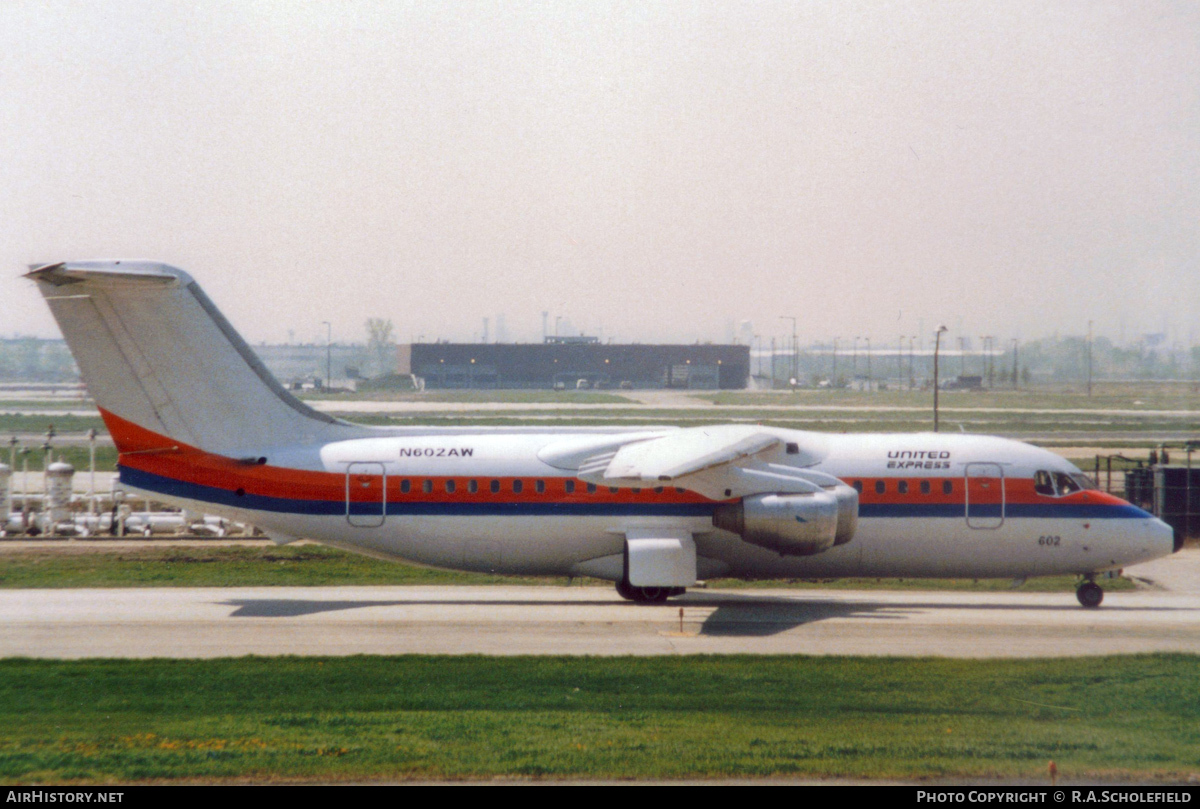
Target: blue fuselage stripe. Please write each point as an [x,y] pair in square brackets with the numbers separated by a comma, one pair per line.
[1041,511]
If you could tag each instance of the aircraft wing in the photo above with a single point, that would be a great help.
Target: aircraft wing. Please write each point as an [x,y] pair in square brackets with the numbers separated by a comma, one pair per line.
[682,453]
[719,462]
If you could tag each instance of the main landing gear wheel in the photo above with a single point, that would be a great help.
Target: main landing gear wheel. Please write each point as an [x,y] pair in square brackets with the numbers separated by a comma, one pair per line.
[1089,594]
[647,595]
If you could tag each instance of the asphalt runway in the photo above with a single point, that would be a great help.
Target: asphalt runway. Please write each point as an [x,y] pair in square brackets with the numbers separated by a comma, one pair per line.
[500,620]
[1163,615]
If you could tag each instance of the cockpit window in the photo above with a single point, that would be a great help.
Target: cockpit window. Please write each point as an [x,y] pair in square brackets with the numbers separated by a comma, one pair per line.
[1065,483]
[1057,484]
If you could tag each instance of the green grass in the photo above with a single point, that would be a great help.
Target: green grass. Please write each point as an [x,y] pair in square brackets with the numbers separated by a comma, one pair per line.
[1003,413]
[58,403]
[77,456]
[223,566]
[1141,429]
[313,565]
[1132,717]
[25,423]
[1105,395]
[478,396]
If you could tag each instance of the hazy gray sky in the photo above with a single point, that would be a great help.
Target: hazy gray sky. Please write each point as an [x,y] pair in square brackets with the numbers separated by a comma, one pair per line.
[653,170]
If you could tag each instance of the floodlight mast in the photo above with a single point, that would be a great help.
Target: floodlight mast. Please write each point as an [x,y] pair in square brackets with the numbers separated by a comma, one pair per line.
[937,344]
[795,357]
[328,352]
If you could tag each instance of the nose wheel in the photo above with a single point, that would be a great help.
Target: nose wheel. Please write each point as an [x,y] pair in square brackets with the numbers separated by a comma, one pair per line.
[1090,594]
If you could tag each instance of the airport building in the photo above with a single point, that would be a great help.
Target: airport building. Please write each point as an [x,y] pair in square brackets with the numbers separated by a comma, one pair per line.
[576,362]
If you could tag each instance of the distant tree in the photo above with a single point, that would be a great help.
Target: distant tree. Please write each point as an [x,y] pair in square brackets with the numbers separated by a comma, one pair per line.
[380,343]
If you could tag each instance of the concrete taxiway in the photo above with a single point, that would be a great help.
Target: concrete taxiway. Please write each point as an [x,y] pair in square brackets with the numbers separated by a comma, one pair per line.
[502,620]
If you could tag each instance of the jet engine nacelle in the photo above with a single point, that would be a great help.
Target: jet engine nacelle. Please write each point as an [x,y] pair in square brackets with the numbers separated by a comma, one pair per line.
[791,524]
[847,499]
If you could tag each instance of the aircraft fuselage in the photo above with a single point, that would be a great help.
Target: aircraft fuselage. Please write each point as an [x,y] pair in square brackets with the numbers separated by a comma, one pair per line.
[930,505]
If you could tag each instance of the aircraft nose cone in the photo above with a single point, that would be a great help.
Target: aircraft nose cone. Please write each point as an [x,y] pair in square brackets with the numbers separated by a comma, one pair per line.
[1163,539]
[1178,537]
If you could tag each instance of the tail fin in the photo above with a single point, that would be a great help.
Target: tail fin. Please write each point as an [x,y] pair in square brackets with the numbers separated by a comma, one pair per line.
[154,351]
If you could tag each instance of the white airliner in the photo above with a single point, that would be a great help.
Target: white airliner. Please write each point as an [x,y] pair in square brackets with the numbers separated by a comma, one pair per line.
[199,421]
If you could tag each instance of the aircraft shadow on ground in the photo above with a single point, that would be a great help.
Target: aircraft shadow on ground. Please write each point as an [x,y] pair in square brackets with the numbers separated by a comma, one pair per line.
[733,614]
[747,615]
[296,607]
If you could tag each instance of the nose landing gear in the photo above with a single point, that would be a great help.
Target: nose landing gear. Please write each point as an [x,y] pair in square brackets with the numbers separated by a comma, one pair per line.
[1089,594]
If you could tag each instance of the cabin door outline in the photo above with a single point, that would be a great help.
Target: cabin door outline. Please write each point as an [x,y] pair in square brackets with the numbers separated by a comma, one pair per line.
[983,485]
[367,478]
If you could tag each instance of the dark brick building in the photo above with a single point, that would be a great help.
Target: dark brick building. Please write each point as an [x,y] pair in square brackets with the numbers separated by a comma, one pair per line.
[578,362]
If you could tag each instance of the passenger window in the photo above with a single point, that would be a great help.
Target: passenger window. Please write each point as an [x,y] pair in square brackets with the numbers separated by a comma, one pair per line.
[858,486]
[926,488]
[679,490]
[612,490]
[405,486]
[427,486]
[449,487]
[947,487]
[902,487]
[658,489]
[518,485]
[540,486]
[569,486]
[494,486]
[1043,483]
[793,449]
[472,486]
[591,489]
[636,491]
[879,487]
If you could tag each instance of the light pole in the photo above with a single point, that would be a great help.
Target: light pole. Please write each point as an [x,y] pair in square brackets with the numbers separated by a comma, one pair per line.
[795,358]
[1089,358]
[868,339]
[854,358]
[91,435]
[833,381]
[911,374]
[24,453]
[328,351]
[962,356]
[1014,377]
[937,344]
